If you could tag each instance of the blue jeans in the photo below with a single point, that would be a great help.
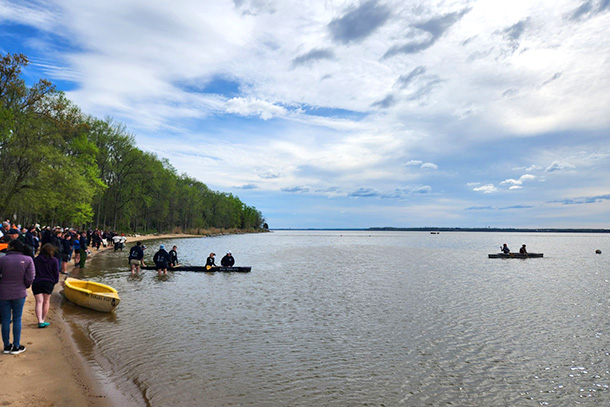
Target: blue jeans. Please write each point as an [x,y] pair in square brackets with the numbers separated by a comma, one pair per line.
[14,307]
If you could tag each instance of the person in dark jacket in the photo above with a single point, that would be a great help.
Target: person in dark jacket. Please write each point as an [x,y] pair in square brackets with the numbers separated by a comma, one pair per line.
[11,234]
[30,238]
[84,246]
[66,251]
[210,262]
[47,275]
[161,259]
[228,260]
[17,272]
[76,248]
[173,257]
[56,241]
[136,258]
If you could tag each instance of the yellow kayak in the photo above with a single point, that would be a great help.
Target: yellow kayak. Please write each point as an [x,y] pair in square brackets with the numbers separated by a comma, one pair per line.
[88,294]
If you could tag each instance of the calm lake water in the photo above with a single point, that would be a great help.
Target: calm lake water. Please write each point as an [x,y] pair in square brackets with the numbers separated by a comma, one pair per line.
[359,319]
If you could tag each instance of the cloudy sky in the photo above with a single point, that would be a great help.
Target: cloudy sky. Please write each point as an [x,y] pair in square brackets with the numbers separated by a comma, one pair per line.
[336,113]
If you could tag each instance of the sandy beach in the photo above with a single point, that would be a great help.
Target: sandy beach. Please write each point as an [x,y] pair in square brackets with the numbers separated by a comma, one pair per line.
[51,372]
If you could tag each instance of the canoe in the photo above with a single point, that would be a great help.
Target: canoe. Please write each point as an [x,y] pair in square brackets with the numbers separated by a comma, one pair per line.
[243,269]
[514,255]
[89,294]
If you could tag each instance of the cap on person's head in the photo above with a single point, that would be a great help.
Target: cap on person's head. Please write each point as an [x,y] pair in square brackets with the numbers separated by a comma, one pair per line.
[162,247]
[523,245]
[16,245]
[143,247]
[13,232]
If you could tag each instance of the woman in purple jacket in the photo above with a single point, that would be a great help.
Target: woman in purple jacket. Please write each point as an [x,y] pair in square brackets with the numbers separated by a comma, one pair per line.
[17,272]
[47,275]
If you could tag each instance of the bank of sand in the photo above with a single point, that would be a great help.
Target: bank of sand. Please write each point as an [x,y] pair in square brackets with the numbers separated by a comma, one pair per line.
[51,372]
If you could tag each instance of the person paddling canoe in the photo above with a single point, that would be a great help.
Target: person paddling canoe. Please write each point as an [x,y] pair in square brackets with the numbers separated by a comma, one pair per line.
[209,263]
[228,260]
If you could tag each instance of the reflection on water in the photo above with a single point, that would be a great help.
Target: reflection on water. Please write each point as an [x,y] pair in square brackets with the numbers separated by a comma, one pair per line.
[361,318]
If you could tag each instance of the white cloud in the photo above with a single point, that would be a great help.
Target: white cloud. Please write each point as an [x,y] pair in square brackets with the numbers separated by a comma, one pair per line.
[520,181]
[429,166]
[248,107]
[486,189]
[559,166]
[510,181]
[414,162]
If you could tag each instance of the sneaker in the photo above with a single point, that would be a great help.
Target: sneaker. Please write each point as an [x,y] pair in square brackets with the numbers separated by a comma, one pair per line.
[17,350]
[8,348]
[42,325]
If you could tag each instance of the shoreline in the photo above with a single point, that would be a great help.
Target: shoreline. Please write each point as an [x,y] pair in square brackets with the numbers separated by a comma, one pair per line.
[52,371]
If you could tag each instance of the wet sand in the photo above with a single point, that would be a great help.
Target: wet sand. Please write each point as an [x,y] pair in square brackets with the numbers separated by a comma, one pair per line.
[52,372]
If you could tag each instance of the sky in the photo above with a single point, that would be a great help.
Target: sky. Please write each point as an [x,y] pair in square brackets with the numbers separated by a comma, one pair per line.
[350,114]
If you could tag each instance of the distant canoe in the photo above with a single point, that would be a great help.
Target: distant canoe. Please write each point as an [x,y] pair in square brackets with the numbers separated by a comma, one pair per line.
[243,269]
[514,255]
[92,295]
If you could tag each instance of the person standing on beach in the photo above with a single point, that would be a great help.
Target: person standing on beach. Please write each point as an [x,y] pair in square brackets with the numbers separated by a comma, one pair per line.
[30,238]
[6,226]
[76,248]
[47,275]
[228,260]
[11,234]
[161,259]
[56,241]
[66,251]
[17,272]
[83,249]
[173,257]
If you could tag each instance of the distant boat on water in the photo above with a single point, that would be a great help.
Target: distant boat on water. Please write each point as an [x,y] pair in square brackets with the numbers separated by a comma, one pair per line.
[514,255]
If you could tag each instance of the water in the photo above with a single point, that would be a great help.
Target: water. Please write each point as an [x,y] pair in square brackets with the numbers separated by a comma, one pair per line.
[360,319]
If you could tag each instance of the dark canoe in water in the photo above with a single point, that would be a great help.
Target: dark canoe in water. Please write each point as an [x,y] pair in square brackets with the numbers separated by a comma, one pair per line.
[245,269]
[514,255]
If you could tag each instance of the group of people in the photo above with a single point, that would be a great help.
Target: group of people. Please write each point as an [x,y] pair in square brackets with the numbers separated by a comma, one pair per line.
[162,259]
[18,272]
[506,250]
[34,258]
[227,261]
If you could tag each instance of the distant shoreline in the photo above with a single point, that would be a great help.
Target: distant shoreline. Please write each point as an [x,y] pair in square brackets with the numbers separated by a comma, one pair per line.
[430,229]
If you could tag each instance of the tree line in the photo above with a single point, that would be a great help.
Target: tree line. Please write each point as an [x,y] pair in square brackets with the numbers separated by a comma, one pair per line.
[62,167]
